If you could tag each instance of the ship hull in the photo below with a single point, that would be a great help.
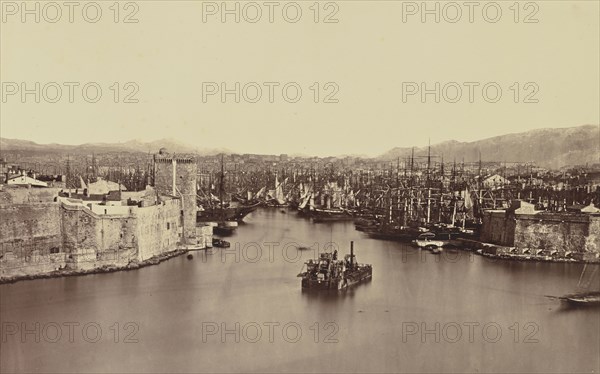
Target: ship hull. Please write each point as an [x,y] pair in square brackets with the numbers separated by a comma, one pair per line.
[349,279]
[582,300]
[329,273]
[330,215]
[396,235]
[226,214]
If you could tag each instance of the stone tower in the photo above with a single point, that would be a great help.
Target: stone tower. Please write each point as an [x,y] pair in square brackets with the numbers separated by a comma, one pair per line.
[176,175]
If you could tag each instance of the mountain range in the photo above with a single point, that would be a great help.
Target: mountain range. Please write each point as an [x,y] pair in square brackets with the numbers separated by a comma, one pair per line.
[549,147]
[132,146]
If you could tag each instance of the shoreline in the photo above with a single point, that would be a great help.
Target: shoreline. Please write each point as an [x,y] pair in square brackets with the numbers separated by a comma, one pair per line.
[504,253]
[101,270]
[478,249]
[522,258]
[535,258]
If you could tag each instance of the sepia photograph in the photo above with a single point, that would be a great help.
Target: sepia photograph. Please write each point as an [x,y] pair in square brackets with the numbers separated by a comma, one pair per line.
[308,186]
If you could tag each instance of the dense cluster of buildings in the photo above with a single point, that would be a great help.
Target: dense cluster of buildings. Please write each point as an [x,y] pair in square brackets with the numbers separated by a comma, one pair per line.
[49,230]
[13,174]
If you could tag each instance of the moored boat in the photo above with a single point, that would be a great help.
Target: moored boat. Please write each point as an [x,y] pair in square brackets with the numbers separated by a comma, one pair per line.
[331,215]
[582,299]
[217,213]
[393,233]
[432,241]
[225,227]
[220,243]
[329,273]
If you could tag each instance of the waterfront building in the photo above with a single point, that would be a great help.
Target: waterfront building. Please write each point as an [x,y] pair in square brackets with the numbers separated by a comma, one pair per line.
[526,230]
[51,231]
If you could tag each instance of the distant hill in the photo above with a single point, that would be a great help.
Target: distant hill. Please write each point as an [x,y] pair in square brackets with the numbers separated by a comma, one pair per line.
[552,148]
[132,146]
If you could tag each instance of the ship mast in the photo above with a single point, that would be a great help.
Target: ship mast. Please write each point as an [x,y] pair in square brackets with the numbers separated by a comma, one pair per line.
[412,163]
[428,162]
[221,183]
[428,182]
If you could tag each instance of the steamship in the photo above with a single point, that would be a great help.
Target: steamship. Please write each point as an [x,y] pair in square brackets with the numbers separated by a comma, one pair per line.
[329,273]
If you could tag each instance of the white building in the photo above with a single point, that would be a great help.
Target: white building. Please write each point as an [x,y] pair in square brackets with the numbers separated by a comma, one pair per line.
[24,180]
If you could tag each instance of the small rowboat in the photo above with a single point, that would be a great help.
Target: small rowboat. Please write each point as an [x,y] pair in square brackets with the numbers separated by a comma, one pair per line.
[429,241]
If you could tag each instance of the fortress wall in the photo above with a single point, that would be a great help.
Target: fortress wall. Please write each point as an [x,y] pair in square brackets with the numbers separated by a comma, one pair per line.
[30,239]
[158,229]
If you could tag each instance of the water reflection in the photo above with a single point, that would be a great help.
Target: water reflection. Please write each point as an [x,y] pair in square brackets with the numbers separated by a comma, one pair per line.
[172,303]
[334,296]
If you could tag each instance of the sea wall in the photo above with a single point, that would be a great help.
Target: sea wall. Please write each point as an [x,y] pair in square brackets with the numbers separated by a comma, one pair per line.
[30,239]
[592,243]
[158,228]
[561,232]
[92,241]
[498,228]
[553,232]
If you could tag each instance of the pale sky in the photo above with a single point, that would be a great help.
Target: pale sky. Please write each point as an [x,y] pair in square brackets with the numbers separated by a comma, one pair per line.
[367,54]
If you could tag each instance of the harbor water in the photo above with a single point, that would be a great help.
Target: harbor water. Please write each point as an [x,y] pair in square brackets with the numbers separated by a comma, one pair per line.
[241,309]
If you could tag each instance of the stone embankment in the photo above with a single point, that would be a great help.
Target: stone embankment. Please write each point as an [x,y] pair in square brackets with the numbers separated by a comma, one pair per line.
[104,269]
[515,254]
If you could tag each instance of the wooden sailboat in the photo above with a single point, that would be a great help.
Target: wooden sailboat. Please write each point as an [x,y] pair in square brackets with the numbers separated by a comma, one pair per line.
[277,196]
[585,298]
[226,218]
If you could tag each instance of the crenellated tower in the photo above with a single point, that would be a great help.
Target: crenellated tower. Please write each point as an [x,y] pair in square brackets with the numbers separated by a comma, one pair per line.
[175,174]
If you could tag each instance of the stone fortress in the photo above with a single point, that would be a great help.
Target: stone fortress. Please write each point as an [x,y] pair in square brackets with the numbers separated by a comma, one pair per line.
[49,231]
[521,230]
